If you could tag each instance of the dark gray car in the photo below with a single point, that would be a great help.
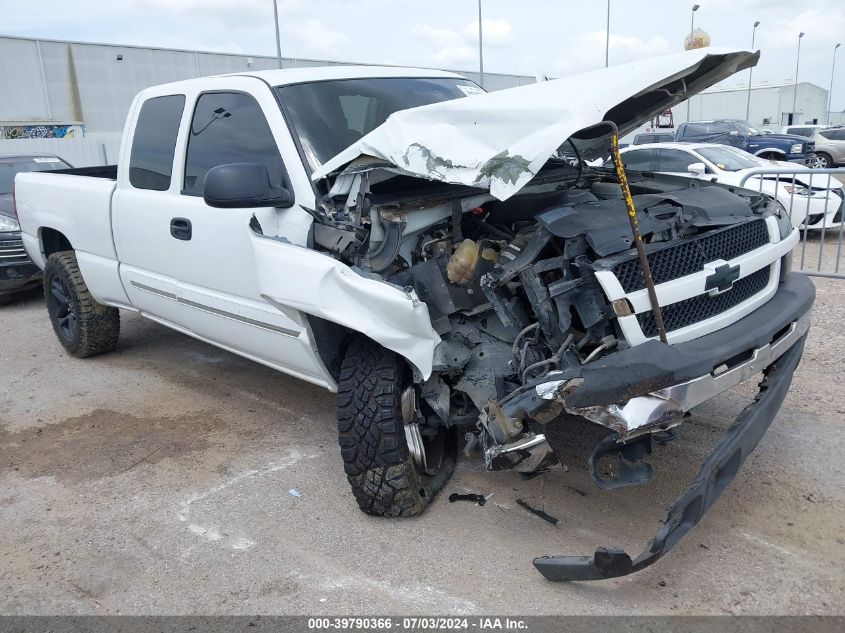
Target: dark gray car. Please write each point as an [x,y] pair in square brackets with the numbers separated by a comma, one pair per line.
[17,272]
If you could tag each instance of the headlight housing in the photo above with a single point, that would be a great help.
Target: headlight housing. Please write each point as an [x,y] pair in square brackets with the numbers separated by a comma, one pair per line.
[784,221]
[9,224]
[798,190]
[796,148]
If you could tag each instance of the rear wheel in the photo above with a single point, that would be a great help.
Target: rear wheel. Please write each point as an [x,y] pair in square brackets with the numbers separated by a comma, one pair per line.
[83,326]
[394,465]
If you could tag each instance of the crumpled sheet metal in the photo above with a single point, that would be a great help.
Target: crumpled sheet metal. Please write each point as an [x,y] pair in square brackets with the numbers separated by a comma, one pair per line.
[500,140]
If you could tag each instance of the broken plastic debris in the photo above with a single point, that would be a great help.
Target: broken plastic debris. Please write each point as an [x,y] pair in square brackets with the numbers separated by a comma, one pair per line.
[479,499]
[293,492]
[540,513]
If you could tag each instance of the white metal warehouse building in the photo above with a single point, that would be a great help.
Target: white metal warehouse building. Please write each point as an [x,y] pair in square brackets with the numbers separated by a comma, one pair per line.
[771,104]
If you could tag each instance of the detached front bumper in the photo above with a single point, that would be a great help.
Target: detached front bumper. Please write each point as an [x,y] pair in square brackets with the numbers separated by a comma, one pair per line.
[655,385]
[712,479]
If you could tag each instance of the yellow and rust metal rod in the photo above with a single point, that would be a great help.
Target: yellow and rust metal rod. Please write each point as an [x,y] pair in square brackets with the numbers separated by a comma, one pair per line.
[635,227]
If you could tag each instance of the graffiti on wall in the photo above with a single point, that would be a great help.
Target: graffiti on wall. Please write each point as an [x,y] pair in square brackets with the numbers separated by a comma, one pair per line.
[10,132]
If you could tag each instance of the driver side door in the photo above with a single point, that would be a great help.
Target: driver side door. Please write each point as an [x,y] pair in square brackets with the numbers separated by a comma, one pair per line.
[217,284]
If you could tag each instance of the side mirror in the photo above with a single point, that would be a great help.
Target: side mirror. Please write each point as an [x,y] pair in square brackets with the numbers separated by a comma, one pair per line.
[243,185]
[699,169]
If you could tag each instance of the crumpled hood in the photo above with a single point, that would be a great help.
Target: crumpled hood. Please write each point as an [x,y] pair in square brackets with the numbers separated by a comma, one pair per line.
[500,140]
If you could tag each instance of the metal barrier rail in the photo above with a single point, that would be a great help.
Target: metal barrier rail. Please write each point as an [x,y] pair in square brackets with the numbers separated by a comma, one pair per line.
[825,199]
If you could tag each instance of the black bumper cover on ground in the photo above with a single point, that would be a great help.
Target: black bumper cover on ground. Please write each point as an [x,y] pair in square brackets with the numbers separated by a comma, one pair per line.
[793,300]
[713,477]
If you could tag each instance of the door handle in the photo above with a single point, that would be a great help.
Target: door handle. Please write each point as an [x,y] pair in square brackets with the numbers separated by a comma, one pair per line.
[180,228]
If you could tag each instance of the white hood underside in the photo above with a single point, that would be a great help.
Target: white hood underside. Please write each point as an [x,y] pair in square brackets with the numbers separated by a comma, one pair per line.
[500,140]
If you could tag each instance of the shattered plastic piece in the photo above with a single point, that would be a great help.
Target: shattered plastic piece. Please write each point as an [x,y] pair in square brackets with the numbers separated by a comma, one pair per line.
[540,513]
[479,499]
[293,492]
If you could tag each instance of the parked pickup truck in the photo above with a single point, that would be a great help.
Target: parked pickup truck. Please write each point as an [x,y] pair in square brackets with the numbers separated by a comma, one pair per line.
[739,134]
[421,248]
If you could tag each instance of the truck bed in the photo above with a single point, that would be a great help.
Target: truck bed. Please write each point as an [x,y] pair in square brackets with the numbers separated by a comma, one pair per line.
[73,202]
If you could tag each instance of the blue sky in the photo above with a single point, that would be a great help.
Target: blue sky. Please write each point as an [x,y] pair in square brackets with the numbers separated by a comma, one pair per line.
[552,37]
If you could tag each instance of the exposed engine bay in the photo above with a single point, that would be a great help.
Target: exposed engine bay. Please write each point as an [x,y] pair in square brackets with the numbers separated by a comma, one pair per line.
[513,289]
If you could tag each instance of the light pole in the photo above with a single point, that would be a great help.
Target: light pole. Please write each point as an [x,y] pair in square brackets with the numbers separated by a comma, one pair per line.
[278,39]
[750,71]
[695,8]
[795,87]
[480,49]
[607,38]
[830,92]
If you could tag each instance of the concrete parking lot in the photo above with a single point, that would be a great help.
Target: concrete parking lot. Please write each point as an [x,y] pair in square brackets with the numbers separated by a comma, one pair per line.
[157,479]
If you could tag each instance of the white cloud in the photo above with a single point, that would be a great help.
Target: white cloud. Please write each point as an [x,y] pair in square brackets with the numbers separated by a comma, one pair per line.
[495,32]
[586,51]
[316,39]
[456,47]
[451,47]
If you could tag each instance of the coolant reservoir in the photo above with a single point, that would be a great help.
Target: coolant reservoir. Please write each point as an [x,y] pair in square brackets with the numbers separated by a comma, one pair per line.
[461,267]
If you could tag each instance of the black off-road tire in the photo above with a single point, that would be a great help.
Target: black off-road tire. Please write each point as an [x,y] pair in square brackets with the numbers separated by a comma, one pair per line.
[384,478]
[6,298]
[96,327]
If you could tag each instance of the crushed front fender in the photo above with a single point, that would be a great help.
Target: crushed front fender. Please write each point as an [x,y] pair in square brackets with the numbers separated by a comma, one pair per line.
[713,477]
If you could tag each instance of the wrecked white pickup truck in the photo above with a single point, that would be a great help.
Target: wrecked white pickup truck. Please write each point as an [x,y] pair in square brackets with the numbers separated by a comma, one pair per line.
[447,262]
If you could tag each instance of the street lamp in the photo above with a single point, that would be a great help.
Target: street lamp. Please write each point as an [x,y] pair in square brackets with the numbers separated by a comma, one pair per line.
[607,38]
[795,87]
[695,8]
[750,71]
[830,93]
[480,49]
[278,39]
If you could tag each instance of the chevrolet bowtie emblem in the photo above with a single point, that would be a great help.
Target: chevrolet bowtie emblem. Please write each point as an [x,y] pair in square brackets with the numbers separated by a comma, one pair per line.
[722,279]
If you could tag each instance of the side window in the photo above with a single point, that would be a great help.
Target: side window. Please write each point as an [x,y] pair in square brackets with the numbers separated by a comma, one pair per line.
[837,135]
[674,160]
[154,142]
[229,127]
[639,159]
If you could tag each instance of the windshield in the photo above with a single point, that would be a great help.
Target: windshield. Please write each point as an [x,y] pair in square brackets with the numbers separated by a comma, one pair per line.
[726,159]
[329,116]
[11,166]
[747,129]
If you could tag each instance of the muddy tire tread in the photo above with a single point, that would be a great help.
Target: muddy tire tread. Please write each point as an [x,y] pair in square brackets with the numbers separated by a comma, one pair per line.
[99,325]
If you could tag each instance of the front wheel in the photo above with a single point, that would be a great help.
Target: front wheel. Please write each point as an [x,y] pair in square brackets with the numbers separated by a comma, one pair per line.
[83,326]
[394,466]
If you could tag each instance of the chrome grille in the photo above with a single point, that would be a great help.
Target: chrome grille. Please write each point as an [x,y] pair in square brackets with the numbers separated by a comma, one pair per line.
[700,308]
[12,252]
[689,256]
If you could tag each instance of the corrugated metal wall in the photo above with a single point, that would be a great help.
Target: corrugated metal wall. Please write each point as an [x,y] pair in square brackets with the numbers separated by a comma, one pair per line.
[87,83]
[79,152]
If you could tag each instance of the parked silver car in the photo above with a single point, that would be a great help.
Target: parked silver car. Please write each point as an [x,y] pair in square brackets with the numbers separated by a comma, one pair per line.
[830,146]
